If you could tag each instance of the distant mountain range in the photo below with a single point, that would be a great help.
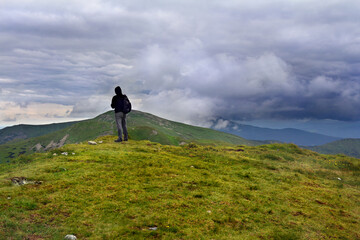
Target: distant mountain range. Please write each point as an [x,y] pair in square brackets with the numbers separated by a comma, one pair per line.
[22,139]
[287,135]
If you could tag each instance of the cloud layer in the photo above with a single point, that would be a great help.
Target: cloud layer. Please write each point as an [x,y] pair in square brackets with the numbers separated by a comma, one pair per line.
[191,61]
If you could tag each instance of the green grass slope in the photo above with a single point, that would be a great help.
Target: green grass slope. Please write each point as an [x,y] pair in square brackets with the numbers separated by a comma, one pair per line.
[141,126]
[20,132]
[145,190]
[350,147]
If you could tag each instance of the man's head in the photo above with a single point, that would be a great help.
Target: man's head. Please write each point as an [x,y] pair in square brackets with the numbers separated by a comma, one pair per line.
[118,90]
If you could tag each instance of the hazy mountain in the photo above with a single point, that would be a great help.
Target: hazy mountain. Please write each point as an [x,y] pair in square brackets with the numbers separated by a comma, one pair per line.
[141,126]
[287,135]
[340,129]
[350,147]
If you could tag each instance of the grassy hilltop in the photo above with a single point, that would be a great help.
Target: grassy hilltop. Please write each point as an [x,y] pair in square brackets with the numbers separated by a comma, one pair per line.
[145,190]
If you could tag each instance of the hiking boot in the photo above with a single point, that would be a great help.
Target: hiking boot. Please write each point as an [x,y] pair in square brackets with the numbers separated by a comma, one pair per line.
[118,140]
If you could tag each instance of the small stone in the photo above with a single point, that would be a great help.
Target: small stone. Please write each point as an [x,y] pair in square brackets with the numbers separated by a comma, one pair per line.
[73,153]
[92,143]
[54,154]
[153,228]
[339,179]
[19,181]
[8,197]
[191,166]
[70,237]
[208,211]
[100,142]
[64,153]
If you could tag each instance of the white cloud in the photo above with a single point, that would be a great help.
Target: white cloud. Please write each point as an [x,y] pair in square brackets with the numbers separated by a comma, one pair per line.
[180,105]
[33,111]
[234,59]
[221,124]
[7,80]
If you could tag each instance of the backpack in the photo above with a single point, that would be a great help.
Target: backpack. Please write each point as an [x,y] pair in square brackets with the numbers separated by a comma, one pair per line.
[127,105]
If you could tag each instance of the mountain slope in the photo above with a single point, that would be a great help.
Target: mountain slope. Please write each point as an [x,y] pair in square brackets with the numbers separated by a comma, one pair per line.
[23,131]
[287,135]
[144,190]
[141,126]
[350,147]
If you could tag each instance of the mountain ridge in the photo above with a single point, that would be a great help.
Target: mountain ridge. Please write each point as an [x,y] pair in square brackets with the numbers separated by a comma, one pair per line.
[286,135]
[141,126]
[25,131]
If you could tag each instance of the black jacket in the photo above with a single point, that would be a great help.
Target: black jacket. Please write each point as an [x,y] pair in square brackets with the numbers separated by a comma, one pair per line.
[118,102]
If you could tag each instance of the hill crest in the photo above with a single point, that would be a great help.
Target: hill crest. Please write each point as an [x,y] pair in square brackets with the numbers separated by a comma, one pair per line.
[142,190]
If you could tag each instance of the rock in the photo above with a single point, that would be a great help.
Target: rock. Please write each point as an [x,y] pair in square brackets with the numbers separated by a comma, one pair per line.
[70,237]
[53,145]
[100,141]
[73,153]
[92,143]
[153,228]
[54,154]
[339,179]
[64,153]
[19,181]
[37,147]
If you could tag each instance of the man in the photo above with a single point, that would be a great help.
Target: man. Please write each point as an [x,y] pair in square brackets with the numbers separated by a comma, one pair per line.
[122,106]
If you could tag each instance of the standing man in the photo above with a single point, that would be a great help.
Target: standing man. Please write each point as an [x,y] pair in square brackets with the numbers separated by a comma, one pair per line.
[122,106]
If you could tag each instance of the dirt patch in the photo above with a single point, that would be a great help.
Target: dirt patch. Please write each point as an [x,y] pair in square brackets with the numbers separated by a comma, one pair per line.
[34,237]
[320,202]
[234,150]
[300,213]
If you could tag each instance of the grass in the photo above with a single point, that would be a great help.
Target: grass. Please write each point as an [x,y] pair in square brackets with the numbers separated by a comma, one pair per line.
[122,191]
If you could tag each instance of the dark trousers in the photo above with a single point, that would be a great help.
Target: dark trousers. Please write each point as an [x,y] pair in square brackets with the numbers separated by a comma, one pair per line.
[120,119]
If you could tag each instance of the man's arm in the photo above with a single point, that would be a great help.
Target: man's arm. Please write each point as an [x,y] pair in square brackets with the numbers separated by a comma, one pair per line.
[113,102]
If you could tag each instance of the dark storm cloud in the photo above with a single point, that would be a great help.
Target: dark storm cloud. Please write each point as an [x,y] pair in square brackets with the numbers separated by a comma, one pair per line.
[186,60]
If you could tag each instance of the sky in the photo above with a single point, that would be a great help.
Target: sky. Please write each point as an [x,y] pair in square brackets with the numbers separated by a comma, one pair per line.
[263,61]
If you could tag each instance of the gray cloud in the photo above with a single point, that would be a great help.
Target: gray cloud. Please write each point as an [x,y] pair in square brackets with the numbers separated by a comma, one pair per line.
[190,61]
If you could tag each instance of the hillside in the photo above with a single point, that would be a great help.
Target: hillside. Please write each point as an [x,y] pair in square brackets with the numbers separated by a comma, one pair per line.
[350,147]
[141,126]
[145,190]
[286,135]
[23,131]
